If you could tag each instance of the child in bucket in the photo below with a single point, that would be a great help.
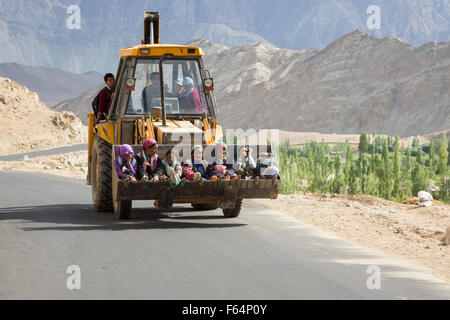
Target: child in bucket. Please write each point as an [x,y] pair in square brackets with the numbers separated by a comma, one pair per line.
[222,167]
[245,165]
[267,167]
[195,168]
[172,168]
[125,163]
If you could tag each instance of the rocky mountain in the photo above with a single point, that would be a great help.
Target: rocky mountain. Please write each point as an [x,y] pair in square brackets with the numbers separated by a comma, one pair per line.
[28,124]
[52,85]
[36,32]
[357,84]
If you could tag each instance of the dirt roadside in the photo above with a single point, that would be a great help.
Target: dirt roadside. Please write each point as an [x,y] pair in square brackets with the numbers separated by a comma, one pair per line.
[407,231]
[69,165]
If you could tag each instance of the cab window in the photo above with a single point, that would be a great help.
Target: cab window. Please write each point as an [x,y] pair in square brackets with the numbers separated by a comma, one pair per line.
[182,89]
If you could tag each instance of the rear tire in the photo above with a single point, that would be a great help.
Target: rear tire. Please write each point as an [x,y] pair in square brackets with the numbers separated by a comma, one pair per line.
[233,212]
[101,181]
[204,206]
[122,209]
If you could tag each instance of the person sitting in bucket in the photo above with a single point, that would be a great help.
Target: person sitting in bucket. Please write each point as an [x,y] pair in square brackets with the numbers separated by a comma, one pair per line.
[222,167]
[172,168]
[195,168]
[149,166]
[125,163]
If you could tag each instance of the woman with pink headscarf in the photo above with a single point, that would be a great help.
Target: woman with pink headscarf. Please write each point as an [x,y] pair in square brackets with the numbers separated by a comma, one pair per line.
[125,163]
[149,166]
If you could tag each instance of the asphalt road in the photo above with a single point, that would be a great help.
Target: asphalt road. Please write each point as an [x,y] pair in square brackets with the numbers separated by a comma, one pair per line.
[19,156]
[48,223]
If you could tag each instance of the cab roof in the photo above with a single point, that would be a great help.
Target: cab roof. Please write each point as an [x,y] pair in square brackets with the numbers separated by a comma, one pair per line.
[152,50]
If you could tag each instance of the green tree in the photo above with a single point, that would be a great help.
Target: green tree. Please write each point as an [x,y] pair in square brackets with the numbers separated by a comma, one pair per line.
[419,158]
[396,169]
[348,164]
[448,149]
[387,171]
[337,181]
[353,180]
[363,143]
[443,159]
[408,163]
[363,173]
[378,142]
[432,152]
[415,143]
[419,179]
[389,141]
[337,164]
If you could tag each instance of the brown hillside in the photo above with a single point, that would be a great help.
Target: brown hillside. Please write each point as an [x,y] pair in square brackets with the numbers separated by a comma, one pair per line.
[27,124]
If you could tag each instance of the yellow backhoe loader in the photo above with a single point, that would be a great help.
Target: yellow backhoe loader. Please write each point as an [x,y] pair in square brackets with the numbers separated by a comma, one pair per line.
[142,109]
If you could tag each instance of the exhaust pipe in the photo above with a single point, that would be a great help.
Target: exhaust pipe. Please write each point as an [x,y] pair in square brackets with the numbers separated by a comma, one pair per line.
[151,19]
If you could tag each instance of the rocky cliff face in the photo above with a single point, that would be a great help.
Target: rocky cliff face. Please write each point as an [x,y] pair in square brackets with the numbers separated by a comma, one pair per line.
[356,84]
[27,124]
[35,32]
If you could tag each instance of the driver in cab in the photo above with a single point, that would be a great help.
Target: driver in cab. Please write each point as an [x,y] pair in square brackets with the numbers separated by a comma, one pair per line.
[153,91]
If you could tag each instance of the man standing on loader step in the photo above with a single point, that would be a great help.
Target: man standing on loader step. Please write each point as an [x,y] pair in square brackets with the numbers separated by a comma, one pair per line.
[105,97]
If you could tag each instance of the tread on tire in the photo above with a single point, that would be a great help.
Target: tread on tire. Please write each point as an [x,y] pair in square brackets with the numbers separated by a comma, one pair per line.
[101,185]
[233,212]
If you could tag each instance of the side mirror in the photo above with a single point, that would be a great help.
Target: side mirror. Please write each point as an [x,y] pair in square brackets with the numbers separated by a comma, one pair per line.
[208,83]
[129,85]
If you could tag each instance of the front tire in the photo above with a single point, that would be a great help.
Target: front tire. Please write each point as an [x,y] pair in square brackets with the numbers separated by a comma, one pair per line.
[122,209]
[101,176]
[233,212]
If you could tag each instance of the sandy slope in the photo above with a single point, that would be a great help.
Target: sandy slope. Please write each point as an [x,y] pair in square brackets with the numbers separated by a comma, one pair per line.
[27,124]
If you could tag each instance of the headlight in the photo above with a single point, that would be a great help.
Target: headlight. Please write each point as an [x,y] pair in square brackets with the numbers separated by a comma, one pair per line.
[209,82]
[131,82]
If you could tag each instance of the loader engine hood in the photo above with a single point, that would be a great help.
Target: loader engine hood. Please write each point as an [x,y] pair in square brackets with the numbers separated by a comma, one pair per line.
[178,131]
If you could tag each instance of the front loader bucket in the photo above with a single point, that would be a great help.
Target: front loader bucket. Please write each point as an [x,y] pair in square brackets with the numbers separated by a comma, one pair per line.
[224,193]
